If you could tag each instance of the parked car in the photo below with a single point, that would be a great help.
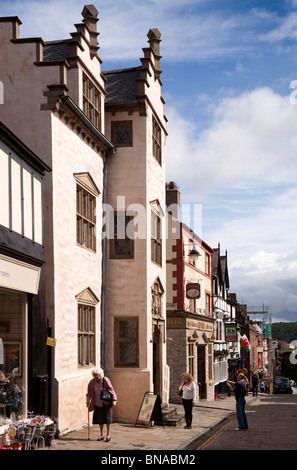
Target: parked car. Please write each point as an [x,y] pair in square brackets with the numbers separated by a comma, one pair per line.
[282,385]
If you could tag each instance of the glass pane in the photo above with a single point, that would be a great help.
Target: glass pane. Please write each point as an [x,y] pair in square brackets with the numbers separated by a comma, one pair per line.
[37,211]
[84,349]
[127,353]
[85,228]
[4,193]
[127,329]
[16,197]
[27,195]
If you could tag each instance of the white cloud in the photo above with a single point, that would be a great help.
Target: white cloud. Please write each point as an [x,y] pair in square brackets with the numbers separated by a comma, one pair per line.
[243,169]
[286,30]
[252,140]
[187,27]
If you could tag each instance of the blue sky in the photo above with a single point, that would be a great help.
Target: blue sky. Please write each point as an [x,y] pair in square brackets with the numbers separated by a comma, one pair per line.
[232,145]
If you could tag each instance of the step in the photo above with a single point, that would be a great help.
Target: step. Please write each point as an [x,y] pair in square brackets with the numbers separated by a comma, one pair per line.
[170,417]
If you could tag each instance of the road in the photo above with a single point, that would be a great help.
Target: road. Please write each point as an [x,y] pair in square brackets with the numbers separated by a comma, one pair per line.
[272,423]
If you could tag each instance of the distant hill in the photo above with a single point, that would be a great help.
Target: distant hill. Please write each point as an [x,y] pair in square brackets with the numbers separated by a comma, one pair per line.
[284,331]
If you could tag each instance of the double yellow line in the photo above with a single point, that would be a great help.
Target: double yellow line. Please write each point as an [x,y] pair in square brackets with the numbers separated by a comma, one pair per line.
[219,432]
[216,435]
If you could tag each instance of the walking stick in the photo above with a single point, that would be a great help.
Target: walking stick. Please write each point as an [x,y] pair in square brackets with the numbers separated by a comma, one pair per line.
[88,424]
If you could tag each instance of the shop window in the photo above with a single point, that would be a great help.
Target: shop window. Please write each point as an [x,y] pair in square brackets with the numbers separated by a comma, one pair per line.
[13,351]
[126,342]
[191,358]
[210,361]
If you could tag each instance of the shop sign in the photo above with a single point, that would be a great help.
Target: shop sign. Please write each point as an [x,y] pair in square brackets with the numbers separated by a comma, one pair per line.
[266,328]
[17,275]
[51,342]
[230,332]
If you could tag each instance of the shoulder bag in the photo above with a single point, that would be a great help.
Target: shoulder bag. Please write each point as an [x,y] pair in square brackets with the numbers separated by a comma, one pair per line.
[105,395]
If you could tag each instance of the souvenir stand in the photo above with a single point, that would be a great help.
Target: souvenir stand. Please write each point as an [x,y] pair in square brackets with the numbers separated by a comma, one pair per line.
[18,433]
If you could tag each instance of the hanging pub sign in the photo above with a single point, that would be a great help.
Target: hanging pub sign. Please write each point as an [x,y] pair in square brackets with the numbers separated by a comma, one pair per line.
[230,332]
[193,290]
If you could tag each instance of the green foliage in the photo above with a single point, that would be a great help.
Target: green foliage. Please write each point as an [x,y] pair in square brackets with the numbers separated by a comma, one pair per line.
[284,331]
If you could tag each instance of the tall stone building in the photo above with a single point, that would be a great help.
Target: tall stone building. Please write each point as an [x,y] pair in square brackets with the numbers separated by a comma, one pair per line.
[103,137]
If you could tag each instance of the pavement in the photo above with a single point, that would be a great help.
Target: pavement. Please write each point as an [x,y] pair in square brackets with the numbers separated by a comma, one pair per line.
[207,415]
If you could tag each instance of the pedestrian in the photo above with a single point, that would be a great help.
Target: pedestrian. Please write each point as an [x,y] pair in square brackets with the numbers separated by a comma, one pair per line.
[102,410]
[262,386]
[188,389]
[240,391]
[255,383]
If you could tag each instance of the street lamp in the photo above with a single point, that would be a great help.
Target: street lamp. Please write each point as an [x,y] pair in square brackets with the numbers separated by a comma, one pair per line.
[194,253]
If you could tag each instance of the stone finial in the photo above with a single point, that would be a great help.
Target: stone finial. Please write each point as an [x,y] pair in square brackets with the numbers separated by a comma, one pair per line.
[154,39]
[154,36]
[90,15]
[90,10]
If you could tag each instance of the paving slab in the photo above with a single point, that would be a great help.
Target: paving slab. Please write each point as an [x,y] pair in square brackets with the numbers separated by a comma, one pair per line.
[128,437]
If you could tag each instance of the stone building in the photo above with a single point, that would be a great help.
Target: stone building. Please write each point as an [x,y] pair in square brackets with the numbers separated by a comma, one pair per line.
[189,304]
[105,145]
[135,321]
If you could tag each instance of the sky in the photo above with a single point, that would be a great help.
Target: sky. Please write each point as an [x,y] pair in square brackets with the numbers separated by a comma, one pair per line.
[228,70]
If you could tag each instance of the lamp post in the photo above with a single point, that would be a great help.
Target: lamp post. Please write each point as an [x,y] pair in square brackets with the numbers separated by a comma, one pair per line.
[194,253]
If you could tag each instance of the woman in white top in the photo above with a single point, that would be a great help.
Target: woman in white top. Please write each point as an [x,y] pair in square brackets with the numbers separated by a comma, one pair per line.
[188,388]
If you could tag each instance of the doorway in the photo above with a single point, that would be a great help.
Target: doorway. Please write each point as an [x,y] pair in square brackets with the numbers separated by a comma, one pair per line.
[157,355]
[201,374]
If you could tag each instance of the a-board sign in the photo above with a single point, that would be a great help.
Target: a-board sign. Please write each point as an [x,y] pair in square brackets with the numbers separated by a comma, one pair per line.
[150,410]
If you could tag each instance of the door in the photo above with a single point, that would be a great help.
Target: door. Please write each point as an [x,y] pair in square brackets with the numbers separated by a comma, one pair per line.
[157,378]
[201,371]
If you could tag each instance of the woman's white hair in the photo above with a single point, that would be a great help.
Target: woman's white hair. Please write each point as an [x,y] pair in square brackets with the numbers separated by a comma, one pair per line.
[98,371]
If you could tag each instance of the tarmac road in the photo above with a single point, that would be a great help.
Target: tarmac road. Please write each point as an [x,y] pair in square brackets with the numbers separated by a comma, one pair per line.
[272,423]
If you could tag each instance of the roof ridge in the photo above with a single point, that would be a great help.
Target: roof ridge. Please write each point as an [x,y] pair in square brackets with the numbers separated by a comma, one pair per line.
[122,70]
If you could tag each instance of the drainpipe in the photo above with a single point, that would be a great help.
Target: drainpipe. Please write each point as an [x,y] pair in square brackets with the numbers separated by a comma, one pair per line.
[109,156]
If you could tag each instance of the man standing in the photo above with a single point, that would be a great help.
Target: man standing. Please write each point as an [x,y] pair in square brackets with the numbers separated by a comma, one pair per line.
[240,390]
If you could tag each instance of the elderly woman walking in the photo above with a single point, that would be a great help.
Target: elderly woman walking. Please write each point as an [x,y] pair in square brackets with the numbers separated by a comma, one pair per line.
[102,410]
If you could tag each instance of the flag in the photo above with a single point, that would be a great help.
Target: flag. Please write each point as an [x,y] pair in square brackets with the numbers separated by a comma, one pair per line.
[244,343]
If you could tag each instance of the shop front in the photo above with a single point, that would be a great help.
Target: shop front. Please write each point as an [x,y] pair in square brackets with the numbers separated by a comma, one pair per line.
[22,288]
[18,281]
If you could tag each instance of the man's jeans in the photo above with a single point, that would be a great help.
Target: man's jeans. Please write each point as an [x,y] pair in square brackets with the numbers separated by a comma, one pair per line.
[241,416]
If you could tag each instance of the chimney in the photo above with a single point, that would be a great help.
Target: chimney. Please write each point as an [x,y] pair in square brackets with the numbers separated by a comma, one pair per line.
[90,14]
[173,200]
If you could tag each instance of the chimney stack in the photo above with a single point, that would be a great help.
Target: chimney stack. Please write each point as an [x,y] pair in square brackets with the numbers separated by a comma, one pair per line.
[173,200]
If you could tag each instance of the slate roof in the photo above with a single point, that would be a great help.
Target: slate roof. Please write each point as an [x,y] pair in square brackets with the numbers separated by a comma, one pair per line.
[55,51]
[215,261]
[121,86]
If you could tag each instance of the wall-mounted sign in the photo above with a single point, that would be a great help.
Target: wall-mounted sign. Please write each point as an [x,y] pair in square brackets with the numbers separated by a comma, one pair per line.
[230,332]
[193,290]
[51,342]
[17,275]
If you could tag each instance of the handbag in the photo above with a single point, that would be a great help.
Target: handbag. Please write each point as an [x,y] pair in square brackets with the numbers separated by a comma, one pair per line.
[105,395]
[180,392]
